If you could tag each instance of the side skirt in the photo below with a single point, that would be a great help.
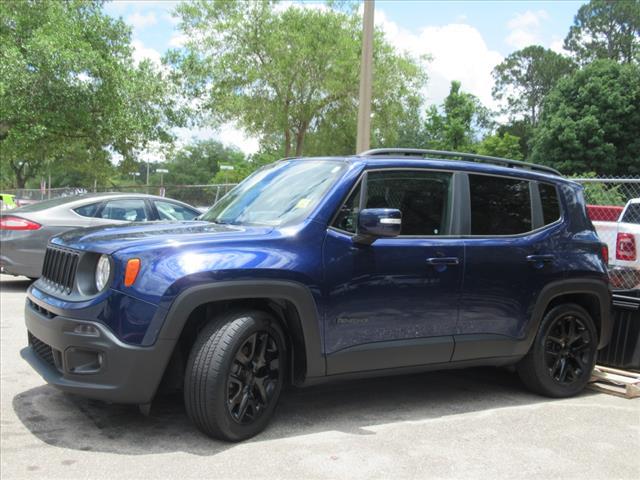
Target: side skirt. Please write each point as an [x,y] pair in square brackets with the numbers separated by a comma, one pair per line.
[421,354]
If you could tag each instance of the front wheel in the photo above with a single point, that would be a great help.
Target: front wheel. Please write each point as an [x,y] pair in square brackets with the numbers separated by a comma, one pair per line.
[235,374]
[562,357]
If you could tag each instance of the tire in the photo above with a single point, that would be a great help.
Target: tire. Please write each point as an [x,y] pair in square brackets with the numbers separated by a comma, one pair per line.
[234,375]
[561,358]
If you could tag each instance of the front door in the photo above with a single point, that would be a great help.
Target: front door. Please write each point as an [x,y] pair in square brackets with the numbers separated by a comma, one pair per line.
[393,303]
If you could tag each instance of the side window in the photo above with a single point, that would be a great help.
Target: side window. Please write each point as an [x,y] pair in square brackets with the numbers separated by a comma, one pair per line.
[632,214]
[87,210]
[499,206]
[132,210]
[173,211]
[421,196]
[549,201]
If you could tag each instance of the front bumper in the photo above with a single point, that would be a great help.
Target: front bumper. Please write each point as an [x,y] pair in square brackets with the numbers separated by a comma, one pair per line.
[86,358]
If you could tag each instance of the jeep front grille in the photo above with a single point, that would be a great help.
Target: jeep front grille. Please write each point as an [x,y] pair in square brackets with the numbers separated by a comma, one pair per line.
[59,268]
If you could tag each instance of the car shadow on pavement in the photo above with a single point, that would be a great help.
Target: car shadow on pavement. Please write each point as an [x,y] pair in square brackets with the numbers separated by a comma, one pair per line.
[18,284]
[352,407]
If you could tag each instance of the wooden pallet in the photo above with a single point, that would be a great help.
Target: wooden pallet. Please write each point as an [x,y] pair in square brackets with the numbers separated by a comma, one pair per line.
[615,382]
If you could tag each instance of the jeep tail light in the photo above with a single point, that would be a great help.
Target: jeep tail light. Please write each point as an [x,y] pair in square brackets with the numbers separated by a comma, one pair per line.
[9,222]
[625,247]
[131,271]
[604,251]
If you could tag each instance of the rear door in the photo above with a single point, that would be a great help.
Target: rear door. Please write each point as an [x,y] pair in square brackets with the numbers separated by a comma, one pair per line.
[510,255]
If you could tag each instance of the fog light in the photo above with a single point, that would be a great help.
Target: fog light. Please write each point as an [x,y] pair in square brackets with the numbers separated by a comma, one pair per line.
[80,361]
[86,330]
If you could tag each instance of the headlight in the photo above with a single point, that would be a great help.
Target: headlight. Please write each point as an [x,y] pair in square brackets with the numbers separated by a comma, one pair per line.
[103,271]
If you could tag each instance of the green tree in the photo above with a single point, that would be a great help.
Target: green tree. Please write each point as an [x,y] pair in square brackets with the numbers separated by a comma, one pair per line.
[591,120]
[525,77]
[505,146]
[521,129]
[198,163]
[67,77]
[459,121]
[288,74]
[606,29]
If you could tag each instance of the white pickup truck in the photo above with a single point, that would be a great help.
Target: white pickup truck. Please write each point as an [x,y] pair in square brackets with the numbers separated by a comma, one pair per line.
[623,240]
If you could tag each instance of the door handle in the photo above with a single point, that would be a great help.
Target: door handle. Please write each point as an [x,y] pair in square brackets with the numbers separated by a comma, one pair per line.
[443,261]
[540,258]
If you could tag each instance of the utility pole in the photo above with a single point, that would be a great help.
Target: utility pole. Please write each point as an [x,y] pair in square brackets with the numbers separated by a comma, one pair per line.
[366,76]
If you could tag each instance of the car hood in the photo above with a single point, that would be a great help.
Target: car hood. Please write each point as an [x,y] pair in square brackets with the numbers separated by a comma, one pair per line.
[108,239]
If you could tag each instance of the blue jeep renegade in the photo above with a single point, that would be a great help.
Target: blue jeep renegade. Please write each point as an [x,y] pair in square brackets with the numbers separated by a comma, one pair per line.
[315,269]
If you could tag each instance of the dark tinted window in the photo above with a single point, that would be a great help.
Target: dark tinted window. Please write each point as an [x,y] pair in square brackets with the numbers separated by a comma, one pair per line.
[549,200]
[87,210]
[422,197]
[499,206]
[632,214]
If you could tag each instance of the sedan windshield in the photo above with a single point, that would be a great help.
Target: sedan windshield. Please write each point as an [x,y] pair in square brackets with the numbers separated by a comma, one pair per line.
[277,194]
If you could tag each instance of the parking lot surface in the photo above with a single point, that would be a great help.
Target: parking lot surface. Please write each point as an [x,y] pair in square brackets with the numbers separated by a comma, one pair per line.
[477,423]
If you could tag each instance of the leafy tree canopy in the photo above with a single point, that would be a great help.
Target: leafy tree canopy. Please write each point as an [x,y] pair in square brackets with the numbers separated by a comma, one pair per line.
[198,163]
[67,77]
[525,77]
[591,120]
[456,125]
[606,29]
[505,146]
[288,74]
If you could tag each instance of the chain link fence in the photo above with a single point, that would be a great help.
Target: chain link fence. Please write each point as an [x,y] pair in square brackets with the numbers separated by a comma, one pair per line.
[613,204]
[200,196]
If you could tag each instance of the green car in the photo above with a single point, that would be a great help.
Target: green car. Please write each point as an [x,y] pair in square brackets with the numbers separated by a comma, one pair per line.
[7,201]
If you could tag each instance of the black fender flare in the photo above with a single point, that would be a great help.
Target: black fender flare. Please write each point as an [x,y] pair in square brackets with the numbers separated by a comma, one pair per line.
[296,293]
[597,288]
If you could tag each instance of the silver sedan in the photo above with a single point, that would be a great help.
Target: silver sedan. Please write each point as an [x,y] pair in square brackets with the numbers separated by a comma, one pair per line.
[25,231]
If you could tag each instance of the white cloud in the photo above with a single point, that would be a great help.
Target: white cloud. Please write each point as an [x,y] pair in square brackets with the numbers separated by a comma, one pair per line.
[458,52]
[524,28]
[227,134]
[178,40]
[557,45]
[140,20]
[140,53]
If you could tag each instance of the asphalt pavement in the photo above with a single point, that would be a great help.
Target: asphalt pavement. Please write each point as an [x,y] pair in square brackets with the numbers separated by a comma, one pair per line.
[476,423]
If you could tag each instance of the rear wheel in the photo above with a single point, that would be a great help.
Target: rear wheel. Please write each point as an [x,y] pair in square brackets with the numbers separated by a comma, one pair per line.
[561,359]
[235,374]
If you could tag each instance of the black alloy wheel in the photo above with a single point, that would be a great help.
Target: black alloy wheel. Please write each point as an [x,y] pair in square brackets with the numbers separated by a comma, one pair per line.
[563,353]
[253,378]
[567,349]
[235,373]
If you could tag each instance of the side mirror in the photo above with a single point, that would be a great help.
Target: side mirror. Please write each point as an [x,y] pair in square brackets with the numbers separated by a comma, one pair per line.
[378,222]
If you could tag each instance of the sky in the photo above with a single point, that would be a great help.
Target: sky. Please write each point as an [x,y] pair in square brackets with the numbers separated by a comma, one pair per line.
[465,40]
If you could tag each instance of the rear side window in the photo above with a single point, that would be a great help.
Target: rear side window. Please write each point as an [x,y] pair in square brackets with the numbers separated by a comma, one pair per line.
[173,211]
[499,206]
[133,210]
[632,214]
[549,201]
[87,210]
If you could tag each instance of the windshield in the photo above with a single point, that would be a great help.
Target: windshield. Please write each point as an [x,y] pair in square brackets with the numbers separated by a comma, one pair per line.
[277,194]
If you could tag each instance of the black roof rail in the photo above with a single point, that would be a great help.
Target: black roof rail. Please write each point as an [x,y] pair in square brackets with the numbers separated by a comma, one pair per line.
[420,153]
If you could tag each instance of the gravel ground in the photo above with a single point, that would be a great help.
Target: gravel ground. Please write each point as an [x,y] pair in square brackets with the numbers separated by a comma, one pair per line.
[477,423]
